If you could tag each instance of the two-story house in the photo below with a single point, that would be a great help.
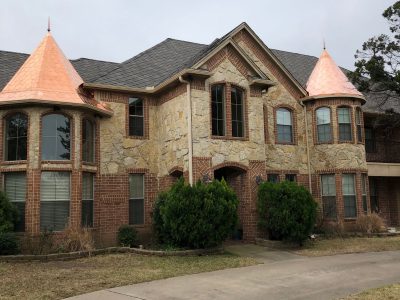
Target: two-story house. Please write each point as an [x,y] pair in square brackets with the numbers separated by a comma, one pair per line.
[92,142]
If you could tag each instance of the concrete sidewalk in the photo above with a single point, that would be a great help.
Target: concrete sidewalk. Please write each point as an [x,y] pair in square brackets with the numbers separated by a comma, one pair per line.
[282,276]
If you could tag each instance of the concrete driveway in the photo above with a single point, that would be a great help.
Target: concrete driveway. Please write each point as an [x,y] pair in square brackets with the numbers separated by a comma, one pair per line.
[281,276]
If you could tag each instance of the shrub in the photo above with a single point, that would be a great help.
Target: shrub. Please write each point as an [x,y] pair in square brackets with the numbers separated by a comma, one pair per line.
[333,228]
[127,236]
[76,239]
[199,216]
[286,211]
[371,223]
[8,243]
[8,214]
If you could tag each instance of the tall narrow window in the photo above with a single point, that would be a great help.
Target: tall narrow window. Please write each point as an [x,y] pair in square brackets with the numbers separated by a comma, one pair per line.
[15,189]
[87,199]
[344,120]
[56,132]
[88,141]
[136,117]
[364,179]
[218,110]
[359,124]
[237,112]
[373,194]
[136,199]
[370,141]
[16,133]
[328,193]
[324,131]
[284,125]
[349,195]
[54,200]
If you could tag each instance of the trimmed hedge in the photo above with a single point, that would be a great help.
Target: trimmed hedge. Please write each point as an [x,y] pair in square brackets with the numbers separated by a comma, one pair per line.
[287,211]
[127,236]
[199,216]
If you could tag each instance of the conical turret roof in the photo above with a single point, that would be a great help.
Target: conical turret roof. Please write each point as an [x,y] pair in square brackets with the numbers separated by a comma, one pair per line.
[327,79]
[47,76]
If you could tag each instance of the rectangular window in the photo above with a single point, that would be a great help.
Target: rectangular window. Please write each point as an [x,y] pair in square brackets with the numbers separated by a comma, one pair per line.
[284,125]
[274,178]
[370,142]
[291,177]
[373,194]
[364,179]
[359,124]
[324,133]
[349,195]
[136,199]
[237,112]
[344,120]
[328,193]
[218,110]
[55,195]
[87,199]
[136,117]
[15,189]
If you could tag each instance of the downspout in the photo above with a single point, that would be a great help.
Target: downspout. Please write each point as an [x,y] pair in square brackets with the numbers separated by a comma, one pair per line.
[307,147]
[189,135]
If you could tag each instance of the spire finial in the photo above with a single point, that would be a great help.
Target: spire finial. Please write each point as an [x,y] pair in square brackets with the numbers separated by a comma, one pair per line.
[48,25]
[324,44]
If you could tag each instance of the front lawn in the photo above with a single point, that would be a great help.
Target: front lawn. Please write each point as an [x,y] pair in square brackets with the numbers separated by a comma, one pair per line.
[334,246]
[60,279]
[390,292]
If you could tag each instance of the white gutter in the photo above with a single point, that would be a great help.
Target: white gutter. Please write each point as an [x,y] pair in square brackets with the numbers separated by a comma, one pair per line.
[307,147]
[189,135]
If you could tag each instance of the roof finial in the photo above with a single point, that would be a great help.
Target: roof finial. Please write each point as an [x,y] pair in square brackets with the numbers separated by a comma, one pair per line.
[324,44]
[48,25]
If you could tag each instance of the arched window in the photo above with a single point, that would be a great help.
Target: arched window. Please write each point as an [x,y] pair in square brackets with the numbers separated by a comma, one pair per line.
[136,117]
[359,124]
[88,141]
[218,109]
[237,108]
[344,121]
[324,132]
[16,133]
[284,126]
[56,134]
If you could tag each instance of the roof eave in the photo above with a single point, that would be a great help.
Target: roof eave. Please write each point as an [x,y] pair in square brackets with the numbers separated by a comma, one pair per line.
[316,97]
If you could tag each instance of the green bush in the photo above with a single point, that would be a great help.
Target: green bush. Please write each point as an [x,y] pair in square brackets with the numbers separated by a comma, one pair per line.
[8,214]
[286,211]
[127,236]
[8,243]
[199,216]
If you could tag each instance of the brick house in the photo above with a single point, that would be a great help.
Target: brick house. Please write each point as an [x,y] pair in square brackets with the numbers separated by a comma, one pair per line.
[93,142]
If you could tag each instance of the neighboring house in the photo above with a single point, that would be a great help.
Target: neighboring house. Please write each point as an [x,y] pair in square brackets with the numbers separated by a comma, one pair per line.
[93,142]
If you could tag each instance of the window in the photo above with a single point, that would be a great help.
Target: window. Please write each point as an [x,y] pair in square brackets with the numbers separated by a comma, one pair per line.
[349,195]
[359,124]
[328,193]
[274,178]
[87,199]
[291,177]
[344,120]
[370,142]
[364,179]
[136,199]
[324,132]
[284,125]
[218,110]
[54,200]
[16,133]
[237,112]
[56,132]
[15,189]
[373,195]
[88,141]
[136,117]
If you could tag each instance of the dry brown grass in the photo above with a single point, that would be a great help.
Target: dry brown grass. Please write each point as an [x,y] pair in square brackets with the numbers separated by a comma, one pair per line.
[57,280]
[390,292]
[349,245]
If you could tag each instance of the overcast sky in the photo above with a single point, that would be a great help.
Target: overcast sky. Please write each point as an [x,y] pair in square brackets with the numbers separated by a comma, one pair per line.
[116,30]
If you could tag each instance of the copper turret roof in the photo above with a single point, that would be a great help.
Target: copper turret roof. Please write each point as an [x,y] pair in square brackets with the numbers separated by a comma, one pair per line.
[48,77]
[327,79]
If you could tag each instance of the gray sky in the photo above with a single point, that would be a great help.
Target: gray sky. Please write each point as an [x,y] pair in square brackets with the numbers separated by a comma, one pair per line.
[116,30]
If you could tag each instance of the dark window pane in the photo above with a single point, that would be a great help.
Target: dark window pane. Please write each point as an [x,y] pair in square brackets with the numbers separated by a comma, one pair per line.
[136,199]
[373,194]
[344,132]
[87,199]
[370,142]
[218,110]
[349,195]
[285,134]
[274,178]
[324,133]
[349,206]
[290,177]
[56,144]
[344,120]
[329,206]
[136,117]
[15,189]
[237,112]
[88,141]
[136,211]
[16,137]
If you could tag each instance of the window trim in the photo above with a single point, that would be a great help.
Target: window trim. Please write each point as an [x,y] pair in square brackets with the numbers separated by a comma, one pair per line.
[359,123]
[355,196]
[94,191]
[294,125]
[351,140]
[224,106]
[322,196]
[364,192]
[146,130]
[144,198]
[26,194]
[4,137]
[316,135]
[95,145]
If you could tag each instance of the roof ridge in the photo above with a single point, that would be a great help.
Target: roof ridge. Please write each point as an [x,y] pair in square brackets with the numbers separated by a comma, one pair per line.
[15,52]
[101,60]
[179,40]
[294,53]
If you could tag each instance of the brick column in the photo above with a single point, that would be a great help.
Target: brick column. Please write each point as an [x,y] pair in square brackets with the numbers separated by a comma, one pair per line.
[76,199]
[32,205]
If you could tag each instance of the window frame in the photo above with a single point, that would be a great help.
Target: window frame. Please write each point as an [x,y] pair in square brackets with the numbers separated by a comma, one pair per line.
[373,194]
[94,137]
[273,177]
[20,226]
[6,119]
[359,125]
[292,125]
[364,192]
[145,118]
[328,197]
[350,124]
[242,105]
[130,200]
[291,177]
[224,110]
[370,142]
[83,223]
[354,196]
[329,124]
